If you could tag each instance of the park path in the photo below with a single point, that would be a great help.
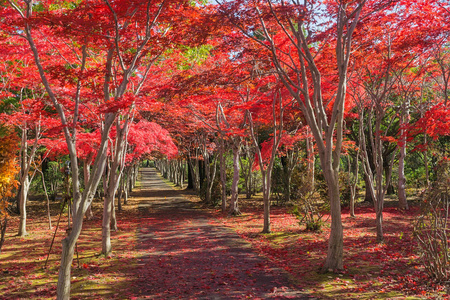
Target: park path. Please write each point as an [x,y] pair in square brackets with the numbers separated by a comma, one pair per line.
[185,255]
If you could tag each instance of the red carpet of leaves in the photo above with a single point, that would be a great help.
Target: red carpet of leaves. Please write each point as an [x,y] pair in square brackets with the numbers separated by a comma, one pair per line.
[186,254]
[22,260]
[371,270]
[185,257]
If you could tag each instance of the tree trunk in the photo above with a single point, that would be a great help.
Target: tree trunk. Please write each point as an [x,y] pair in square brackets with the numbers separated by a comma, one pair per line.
[3,225]
[368,196]
[26,160]
[402,202]
[223,174]
[120,193]
[390,188]
[379,225]
[86,170]
[266,201]
[24,187]
[109,221]
[247,171]
[125,186]
[48,201]
[212,179]
[190,175]
[353,173]
[106,229]
[130,181]
[311,159]
[68,249]
[208,182]
[113,215]
[182,169]
[234,207]
[334,260]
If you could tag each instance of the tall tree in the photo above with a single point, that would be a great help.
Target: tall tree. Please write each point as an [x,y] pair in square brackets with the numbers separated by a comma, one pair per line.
[302,53]
[106,42]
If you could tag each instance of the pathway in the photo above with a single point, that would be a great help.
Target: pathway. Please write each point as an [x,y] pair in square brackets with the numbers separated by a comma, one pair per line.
[186,256]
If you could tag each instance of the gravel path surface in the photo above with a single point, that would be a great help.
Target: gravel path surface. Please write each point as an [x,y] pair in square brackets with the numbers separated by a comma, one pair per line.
[186,255]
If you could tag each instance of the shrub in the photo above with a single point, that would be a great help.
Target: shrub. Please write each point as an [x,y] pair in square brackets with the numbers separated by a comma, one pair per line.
[308,206]
[216,193]
[431,227]
[310,212]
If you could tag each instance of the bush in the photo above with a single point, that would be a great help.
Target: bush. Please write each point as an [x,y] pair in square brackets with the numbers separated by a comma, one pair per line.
[308,206]
[345,181]
[216,193]
[310,212]
[431,227]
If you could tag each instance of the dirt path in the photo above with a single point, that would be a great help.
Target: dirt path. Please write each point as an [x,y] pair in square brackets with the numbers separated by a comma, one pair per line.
[186,256]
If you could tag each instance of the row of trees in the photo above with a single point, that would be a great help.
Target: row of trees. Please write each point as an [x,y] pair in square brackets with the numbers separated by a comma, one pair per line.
[364,79]
[262,81]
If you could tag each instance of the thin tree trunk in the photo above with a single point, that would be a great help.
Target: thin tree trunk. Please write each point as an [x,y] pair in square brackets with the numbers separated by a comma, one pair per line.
[354,183]
[403,203]
[310,159]
[87,174]
[106,229]
[3,225]
[25,180]
[190,175]
[113,215]
[266,201]
[223,174]
[368,196]
[125,186]
[234,207]
[48,200]
[208,183]
[181,179]
[120,193]
[109,221]
[212,178]
[247,171]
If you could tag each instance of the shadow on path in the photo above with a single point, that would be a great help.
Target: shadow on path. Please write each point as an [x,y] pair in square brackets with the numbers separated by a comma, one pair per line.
[184,256]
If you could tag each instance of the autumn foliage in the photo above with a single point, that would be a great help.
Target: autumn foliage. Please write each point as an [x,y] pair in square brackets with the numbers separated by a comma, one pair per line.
[8,172]
[276,100]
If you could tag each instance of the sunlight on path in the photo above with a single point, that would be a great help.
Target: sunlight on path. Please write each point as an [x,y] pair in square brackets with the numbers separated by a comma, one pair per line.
[186,256]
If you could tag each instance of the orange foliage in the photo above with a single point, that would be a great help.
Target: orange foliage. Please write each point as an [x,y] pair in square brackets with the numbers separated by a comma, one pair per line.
[8,170]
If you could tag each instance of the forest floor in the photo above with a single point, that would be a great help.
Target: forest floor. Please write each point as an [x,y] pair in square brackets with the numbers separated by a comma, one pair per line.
[169,247]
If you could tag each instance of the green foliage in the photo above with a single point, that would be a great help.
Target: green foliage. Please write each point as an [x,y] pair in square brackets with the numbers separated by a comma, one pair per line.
[345,193]
[308,205]
[9,104]
[310,211]
[53,177]
[415,169]
[56,5]
[216,193]
[194,56]
[344,187]
[278,187]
